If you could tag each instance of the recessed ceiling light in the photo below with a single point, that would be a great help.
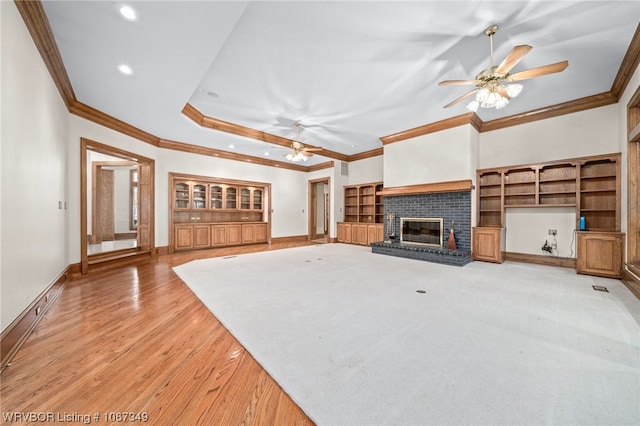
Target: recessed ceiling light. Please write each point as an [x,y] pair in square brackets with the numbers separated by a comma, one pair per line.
[125,69]
[127,12]
[231,146]
[266,153]
[211,93]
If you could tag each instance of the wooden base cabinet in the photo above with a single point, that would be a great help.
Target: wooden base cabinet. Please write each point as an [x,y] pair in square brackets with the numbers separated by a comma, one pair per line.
[600,253]
[187,237]
[488,244]
[360,233]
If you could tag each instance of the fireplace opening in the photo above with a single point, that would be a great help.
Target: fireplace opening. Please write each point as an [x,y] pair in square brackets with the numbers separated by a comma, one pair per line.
[419,230]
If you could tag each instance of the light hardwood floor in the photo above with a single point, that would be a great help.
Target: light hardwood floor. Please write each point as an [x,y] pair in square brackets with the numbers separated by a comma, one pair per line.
[138,340]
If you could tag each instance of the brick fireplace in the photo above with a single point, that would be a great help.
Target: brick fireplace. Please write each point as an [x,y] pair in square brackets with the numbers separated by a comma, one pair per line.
[449,201]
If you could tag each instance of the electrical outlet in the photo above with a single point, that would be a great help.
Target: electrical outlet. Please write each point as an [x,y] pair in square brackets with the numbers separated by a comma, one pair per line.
[553,232]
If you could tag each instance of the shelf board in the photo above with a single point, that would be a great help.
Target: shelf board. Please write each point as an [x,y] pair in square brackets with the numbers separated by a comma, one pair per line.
[521,183]
[598,177]
[490,210]
[556,205]
[507,206]
[486,185]
[490,196]
[598,210]
[557,180]
[586,191]
[524,194]
[557,192]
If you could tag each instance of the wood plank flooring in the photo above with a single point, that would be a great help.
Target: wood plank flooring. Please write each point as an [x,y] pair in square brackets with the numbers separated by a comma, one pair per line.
[138,340]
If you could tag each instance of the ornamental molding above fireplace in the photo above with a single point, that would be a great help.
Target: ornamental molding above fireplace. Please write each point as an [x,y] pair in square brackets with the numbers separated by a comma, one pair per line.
[428,188]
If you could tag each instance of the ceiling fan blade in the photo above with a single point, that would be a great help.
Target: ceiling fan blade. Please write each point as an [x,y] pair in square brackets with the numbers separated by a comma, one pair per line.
[457,82]
[461,98]
[540,71]
[311,149]
[516,54]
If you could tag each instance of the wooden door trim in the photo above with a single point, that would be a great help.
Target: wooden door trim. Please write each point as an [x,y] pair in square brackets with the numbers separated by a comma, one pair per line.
[88,144]
[311,208]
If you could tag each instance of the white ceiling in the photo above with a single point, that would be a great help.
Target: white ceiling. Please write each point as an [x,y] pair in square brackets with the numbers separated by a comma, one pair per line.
[350,72]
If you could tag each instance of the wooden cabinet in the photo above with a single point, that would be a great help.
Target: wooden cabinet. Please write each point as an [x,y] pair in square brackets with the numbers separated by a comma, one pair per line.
[488,244]
[362,204]
[210,212]
[599,201]
[344,232]
[591,185]
[489,198]
[218,235]
[183,237]
[189,195]
[254,233]
[360,233]
[363,214]
[600,253]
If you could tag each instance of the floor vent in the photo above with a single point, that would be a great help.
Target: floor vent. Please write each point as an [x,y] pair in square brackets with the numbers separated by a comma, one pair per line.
[600,288]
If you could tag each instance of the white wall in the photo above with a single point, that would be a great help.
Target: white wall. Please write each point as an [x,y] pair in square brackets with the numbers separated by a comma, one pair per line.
[366,171]
[528,228]
[436,157]
[590,132]
[33,163]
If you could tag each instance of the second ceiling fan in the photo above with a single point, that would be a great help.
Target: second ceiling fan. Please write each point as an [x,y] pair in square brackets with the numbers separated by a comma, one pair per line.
[494,85]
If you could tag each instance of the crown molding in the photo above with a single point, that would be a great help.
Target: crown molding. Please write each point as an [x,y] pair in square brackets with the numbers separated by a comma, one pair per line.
[212,152]
[447,123]
[35,19]
[99,117]
[366,154]
[321,166]
[576,105]
[629,65]
[224,126]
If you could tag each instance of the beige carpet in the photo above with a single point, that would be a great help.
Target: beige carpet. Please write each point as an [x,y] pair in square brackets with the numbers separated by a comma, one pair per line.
[349,338]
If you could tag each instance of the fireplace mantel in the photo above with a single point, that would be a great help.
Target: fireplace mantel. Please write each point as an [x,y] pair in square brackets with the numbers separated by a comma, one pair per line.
[429,188]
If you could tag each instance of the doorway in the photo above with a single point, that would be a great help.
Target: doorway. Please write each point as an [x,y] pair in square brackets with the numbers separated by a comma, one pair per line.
[116,203]
[319,210]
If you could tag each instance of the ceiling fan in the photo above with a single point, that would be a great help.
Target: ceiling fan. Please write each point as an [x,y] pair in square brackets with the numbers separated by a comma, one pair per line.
[297,151]
[494,85]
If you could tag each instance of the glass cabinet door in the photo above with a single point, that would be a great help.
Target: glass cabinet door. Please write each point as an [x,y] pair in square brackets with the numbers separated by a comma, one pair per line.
[257,199]
[199,196]
[231,197]
[216,196]
[182,195]
[245,198]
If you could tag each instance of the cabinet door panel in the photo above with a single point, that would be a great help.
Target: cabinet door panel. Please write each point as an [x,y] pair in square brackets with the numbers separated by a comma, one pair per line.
[218,235]
[183,237]
[248,233]
[261,233]
[233,234]
[201,236]
[600,254]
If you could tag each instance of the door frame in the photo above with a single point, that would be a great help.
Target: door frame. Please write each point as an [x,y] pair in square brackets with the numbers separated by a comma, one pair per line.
[90,145]
[633,185]
[312,191]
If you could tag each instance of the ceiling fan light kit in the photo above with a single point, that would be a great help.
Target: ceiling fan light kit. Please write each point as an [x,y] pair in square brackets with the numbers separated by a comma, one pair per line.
[494,85]
[298,152]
